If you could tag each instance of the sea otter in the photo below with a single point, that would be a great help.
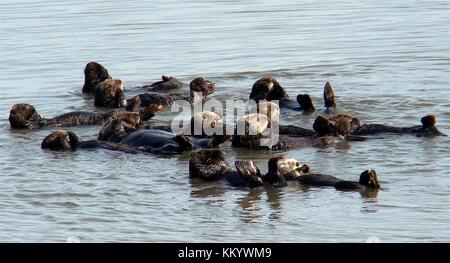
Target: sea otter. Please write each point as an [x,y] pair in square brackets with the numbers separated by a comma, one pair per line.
[199,89]
[212,165]
[268,88]
[94,73]
[292,169]
[427,128]
[69,141]
[249,175]
[108,92]
[253,131]
[118,130]
[25,116]
[167,83]
[208,164]
[148,104]
[339,125]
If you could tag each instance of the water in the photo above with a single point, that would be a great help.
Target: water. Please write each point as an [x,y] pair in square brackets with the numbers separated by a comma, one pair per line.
[389,63]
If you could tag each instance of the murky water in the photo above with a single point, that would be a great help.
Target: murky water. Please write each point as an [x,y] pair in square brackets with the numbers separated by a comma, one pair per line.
[388,60]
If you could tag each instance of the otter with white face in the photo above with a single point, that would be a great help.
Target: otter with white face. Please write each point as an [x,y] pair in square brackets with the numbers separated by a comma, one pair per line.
[252,124]
[291,168]
[268,108]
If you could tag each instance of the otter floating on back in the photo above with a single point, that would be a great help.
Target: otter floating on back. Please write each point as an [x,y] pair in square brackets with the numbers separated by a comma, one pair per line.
[119,131]
[25,116]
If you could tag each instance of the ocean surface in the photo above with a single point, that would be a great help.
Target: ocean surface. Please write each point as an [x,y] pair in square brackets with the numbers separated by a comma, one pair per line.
[389,62]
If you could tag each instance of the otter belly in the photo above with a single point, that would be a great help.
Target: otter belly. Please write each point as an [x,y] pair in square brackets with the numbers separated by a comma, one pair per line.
[150,139]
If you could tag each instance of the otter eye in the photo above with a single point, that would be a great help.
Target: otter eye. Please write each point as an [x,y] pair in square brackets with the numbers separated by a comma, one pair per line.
[297,164]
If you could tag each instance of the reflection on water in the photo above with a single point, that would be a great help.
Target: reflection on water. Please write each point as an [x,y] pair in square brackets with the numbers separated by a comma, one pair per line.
[390,67]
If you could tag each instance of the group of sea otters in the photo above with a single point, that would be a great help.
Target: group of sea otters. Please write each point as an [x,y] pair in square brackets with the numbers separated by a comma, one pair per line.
[124,129]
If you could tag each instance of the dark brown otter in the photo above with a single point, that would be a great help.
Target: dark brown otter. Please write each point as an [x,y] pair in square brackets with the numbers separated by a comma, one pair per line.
[427,128]
[148,104]
[367,180]
[339,125]
[94,73]
[249,175]
[118,130]
[25,116]
[267,88]
[68,141]
[305,102]
[109,94]
[208,165]
[328,97]
[167,83]
[201,86]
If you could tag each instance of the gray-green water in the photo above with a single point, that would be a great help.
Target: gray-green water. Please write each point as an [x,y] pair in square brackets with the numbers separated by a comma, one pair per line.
[388,60]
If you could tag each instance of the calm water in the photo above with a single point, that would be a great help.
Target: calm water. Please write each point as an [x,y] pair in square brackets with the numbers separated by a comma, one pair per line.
[388,60]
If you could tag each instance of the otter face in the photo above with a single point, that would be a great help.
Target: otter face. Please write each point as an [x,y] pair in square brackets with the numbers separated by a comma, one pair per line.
[270,109]
[328,96]
[305,102]
[202,85]
[267,88]
[428,121]
[345,124]
[148,104]
[132,118]
[205,119]
[60,141]
[23,116]
[94,73]
[110,94]
[369,179]
[254,124]
[291,168]
[115,129]
[324,126]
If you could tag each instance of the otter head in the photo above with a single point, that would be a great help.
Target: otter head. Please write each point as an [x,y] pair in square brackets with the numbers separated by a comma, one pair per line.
[208,164]
[291,168]
[267,88]
[324,126]
[328,96]
[110,94]
[60,141]
[94,73]
[115,129]
[345,124]
[274,175]
[148,104]
[369,179]
[24,116]
[201,85]
[428,121]
[305,102]
[268,108]
[132,118]
[252,124]
[204,123]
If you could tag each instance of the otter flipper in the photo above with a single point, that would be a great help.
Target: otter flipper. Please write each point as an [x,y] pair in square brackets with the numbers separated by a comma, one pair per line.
[247,175]
[328,97]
